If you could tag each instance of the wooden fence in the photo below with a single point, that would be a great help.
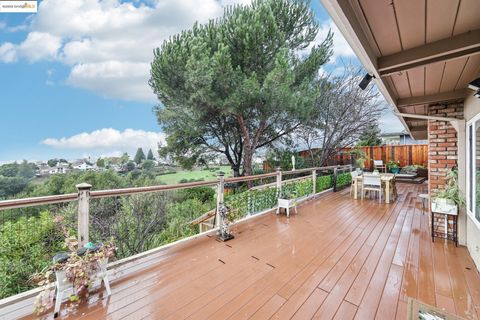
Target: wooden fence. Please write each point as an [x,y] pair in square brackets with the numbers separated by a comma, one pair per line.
[416,154]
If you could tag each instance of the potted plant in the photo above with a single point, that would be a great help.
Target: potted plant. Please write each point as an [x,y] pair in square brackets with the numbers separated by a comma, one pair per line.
[450,197]
[287,199]
[360,163]
[75,272]
[393,167]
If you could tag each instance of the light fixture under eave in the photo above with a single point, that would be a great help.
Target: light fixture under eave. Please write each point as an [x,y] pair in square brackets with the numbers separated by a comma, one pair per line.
[365,81]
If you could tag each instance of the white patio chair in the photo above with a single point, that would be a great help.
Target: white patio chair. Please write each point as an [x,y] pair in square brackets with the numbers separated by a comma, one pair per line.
[379,165]
[373,184]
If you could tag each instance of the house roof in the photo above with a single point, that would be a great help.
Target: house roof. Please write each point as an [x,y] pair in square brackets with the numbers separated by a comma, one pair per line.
[421,52]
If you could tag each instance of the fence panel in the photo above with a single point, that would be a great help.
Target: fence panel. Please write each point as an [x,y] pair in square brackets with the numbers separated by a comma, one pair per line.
[405,154]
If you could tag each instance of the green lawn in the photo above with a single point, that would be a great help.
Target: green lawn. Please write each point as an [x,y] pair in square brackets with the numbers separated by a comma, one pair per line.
[194,174]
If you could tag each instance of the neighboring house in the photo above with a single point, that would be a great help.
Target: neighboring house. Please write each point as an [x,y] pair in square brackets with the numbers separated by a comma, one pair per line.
[399,138]
[45,170]
[83,167]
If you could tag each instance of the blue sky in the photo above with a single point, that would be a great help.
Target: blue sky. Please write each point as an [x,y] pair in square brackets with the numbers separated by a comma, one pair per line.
[73,76]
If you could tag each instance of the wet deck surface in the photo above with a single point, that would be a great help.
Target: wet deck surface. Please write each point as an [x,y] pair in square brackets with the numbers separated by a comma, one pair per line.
[336,259]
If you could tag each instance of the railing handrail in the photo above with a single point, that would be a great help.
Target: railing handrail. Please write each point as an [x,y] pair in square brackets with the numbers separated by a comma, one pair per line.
[62,198]
[37,201]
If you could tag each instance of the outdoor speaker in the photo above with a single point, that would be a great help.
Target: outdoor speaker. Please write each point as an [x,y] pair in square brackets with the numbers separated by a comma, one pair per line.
[365,81]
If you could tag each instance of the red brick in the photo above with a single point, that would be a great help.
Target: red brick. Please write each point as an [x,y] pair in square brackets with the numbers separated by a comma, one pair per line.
[447,144]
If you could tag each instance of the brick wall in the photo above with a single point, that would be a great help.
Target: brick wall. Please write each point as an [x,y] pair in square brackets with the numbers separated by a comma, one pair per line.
[442,144]
[442,152]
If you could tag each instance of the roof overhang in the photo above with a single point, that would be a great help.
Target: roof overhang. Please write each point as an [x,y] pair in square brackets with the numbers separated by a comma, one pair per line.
[421,53]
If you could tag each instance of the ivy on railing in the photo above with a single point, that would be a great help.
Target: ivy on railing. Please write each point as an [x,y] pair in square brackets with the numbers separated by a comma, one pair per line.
[300,188]
[343,180]
[324,182]
[253,201]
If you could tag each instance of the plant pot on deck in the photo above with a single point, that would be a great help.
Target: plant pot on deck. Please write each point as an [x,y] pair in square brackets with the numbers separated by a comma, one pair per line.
[287,204]
[64,286]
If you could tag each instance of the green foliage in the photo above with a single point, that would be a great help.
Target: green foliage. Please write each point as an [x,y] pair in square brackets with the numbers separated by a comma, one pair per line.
[130,166]
[204,194]
[237,83]
[14,177]
[392,165]
[177,220]
[343,179]
[52,162]
[282,158]
[10,186]
[101,163]
[452,190]
[124,158]
[65,183]
[251,202]
[150,155]
[148,165]
[139,156]
[26,247]
[370,137]
[297,189]
[324,183]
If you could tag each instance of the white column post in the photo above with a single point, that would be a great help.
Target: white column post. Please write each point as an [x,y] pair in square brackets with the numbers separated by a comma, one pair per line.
[314,181]
[220,191]
[279,181]
[83,212]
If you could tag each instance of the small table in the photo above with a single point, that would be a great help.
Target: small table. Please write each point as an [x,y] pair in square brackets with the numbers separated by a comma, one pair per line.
[446,210]
[424,197]
[384,177]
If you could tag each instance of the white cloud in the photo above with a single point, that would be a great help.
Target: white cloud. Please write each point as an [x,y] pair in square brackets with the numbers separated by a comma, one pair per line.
[110,36]
[108,141]
[40,45]
[8,52]
[124,80]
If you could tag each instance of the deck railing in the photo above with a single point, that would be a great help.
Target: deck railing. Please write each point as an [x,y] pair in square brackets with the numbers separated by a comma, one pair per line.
[261,198]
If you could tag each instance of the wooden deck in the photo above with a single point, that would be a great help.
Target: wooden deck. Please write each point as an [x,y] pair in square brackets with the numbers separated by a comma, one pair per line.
[336,259]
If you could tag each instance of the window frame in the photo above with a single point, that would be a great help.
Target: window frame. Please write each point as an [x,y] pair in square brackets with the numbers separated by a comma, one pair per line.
[471,175]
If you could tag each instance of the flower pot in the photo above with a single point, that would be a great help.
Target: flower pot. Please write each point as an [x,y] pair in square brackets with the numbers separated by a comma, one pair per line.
[287,204]
[395,170]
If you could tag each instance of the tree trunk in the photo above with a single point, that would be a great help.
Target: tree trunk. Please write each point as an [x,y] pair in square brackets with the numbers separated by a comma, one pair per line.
[236,170]
[247,162]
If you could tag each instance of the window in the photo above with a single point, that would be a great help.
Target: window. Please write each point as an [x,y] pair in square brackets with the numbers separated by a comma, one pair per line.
[473,168]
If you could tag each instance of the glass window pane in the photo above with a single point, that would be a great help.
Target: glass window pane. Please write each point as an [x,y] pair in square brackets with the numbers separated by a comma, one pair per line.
[476,141]
[470,169]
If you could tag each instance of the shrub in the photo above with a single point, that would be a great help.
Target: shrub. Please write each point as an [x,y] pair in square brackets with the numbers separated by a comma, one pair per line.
[26,247]
[177,221]
[324,182]
[204,194]
[344,179]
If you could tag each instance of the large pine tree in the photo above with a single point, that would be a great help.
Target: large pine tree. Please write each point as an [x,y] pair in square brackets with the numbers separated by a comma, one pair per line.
[238,83]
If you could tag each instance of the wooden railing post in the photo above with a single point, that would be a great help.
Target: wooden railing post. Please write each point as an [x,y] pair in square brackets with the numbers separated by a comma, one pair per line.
[279,181]
[314,181]
[220,199]
[335,179]
[83,212]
